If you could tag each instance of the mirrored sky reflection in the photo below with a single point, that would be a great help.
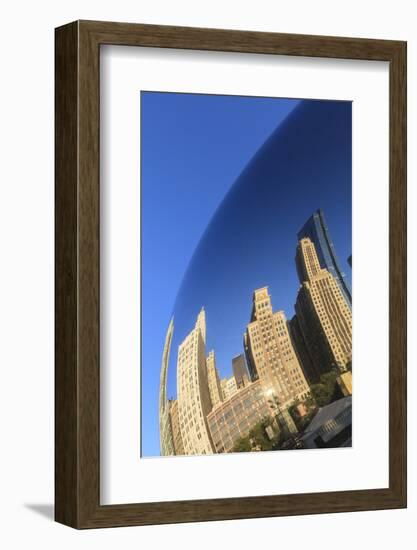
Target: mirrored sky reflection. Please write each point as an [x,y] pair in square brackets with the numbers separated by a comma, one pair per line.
[227,182]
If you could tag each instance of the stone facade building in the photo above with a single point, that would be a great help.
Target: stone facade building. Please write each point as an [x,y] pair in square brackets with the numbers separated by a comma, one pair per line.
[271,353]
[324,317]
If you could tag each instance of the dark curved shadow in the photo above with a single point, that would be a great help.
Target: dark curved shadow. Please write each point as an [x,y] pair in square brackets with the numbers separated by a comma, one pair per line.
[251,239]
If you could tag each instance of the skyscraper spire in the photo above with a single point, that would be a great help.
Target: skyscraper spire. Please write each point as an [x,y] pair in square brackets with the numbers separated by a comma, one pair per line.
[213,380]
[201,324]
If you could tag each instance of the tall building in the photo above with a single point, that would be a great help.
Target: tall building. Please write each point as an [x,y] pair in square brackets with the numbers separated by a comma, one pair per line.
[194,402]
[240,371]
[271,352]
[215,389]
[165,429]
[324,317]
[228,386]
[236,416]
[317,231]
[253,375]
[175,425]
[311,372]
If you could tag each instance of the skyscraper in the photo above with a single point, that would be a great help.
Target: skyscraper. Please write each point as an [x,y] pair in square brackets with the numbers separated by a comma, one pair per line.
[253,375]
[175,425]
[240,371]
[317,231]
[194,402]
[311,373]
[271,352]
[213,380]
[165,428]
[324,317]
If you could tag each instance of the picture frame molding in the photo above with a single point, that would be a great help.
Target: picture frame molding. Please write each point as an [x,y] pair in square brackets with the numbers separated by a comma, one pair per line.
[77,274]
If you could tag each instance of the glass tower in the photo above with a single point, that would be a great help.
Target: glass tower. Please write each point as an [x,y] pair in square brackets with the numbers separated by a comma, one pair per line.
[317,231]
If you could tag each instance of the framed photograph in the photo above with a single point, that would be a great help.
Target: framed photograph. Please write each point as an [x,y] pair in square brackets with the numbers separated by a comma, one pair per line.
[230,274]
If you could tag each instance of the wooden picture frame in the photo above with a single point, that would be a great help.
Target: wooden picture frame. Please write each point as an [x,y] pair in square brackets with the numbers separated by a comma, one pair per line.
[77,359]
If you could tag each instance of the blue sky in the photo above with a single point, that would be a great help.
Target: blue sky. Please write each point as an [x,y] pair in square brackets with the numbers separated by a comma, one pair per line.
[226,183]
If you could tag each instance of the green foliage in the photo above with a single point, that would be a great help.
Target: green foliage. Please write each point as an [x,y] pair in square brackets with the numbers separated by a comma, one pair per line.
[242,445]
[303,421]
[257,437]
[327,390]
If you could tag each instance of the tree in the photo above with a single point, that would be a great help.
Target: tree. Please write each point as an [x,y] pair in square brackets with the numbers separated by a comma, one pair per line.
[327,390]
[303,421]
[257,437]
[242,445]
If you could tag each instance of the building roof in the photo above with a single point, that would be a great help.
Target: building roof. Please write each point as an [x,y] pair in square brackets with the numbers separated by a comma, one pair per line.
[327,413]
